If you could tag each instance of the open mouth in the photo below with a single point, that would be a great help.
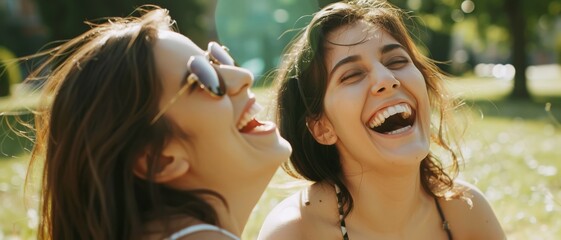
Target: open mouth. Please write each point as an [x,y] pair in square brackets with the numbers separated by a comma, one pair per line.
[247,122]
[393,119]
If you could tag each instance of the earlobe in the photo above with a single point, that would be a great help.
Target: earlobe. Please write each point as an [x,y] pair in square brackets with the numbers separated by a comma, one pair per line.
[322,131]
[170,165]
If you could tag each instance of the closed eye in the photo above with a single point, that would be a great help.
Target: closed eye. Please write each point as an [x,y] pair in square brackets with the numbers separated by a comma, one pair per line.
[397,63]
[353,75]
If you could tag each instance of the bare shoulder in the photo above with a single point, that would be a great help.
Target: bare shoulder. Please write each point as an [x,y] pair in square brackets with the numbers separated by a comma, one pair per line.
[284,221]
[308,214]
[470,215]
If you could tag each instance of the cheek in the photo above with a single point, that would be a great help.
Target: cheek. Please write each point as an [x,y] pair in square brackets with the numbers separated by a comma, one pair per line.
[345,103]
[420,92]
[412,76]
[200,116]
[414,82]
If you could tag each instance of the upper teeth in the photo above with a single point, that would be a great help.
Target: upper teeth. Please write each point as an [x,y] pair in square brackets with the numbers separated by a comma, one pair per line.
[381,116]
[248,115]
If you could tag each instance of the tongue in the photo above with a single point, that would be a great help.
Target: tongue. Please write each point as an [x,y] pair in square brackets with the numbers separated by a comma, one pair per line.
[250,126]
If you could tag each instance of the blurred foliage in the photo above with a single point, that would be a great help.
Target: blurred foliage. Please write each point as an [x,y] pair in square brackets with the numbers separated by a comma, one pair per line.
[9,71]
[558,47]
[9,35]
[65,19]
[20,34]
[15,135]
[520,19]
[446,13]
[256,31]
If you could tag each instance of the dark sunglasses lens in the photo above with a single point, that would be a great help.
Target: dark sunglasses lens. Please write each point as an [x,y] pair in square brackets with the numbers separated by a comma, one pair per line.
[206,74]
[220,54]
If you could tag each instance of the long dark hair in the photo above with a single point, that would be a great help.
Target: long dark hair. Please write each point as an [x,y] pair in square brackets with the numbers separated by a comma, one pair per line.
[303,82]
[101,90]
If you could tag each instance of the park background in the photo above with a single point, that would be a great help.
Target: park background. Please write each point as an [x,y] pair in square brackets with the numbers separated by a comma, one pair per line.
[503,55]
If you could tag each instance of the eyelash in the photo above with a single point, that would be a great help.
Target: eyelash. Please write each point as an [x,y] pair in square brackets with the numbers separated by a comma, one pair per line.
[352,75]
[401,61]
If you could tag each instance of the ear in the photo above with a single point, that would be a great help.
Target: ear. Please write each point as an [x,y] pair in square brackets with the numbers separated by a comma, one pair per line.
[322,130]
[172,164]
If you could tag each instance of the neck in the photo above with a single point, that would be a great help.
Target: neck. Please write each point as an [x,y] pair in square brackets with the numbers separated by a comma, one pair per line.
[241,200]
[399,198]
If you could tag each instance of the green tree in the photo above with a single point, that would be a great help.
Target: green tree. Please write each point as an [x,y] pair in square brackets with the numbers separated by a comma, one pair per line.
[520,18]
[65,18]
[517,17]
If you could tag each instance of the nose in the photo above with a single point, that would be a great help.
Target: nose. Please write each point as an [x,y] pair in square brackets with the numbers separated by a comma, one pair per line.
[384,81]
[236,79]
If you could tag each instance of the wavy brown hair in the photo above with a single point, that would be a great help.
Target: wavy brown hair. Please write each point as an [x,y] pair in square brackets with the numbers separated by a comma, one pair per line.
[100,92]
[302,80]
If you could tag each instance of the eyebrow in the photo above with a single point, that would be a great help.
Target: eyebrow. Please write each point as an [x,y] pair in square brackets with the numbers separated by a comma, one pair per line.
[354,58]
[390,47]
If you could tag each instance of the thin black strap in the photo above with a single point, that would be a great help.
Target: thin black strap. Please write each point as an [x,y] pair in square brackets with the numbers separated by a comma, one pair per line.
[341,213]
[445,225]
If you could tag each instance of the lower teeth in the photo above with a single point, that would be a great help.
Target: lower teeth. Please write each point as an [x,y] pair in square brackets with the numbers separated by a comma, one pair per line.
[260,128]
[403,129]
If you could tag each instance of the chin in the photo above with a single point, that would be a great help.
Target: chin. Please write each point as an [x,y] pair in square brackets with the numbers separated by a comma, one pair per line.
[409,155]
[273,157]
[279,152]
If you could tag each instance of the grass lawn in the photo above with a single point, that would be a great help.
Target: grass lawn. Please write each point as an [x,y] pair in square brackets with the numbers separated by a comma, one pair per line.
[511,149]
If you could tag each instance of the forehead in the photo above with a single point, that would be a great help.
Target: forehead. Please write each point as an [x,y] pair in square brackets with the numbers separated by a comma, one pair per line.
[170,41]
[354,38]
[172,51]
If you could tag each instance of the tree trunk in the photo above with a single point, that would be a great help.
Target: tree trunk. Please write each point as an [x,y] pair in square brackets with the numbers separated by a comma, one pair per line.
[517,29]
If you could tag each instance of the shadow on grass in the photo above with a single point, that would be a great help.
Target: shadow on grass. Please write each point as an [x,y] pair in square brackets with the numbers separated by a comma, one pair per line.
[528,110]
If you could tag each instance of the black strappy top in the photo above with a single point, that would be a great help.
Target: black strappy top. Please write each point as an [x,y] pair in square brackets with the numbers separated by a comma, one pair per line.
[445,226]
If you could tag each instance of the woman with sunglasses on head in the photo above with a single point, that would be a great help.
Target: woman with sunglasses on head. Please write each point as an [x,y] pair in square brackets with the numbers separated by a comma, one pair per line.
[360,105]
[146,136]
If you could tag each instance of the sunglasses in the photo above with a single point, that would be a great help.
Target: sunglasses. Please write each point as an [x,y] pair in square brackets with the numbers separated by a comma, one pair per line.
[202,72]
